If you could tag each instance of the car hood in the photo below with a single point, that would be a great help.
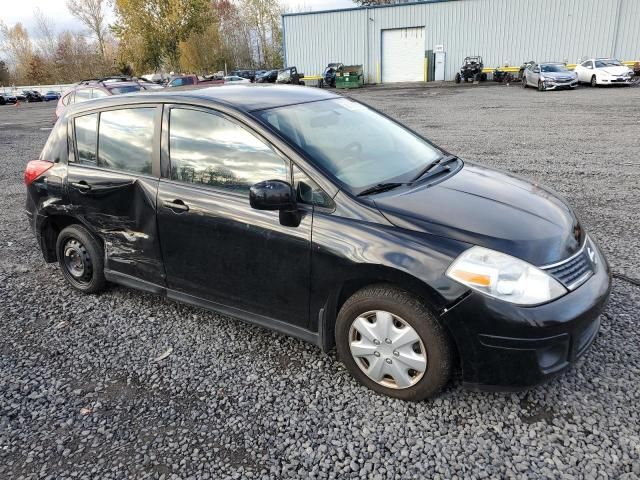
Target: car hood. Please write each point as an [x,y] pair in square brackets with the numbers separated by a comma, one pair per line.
[485,207]
[615,70]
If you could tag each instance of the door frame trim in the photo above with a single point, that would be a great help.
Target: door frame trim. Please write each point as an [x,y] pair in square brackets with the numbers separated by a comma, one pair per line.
[248,317]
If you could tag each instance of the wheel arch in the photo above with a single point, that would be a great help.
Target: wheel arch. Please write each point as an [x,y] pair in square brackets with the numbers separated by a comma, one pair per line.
[49,230]
[366,276]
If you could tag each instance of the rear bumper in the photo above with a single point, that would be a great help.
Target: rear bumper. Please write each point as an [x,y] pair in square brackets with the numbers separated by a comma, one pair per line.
[508,347]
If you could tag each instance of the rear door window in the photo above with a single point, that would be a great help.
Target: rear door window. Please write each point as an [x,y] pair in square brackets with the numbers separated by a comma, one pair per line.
[125,139]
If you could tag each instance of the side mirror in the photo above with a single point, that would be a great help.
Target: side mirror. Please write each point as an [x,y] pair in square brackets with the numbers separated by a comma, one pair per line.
[272,195]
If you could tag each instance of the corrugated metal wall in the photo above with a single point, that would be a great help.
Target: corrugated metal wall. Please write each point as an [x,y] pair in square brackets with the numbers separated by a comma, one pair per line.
[502,31]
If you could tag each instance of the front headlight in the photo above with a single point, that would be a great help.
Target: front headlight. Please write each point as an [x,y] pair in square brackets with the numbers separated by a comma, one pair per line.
[504,277]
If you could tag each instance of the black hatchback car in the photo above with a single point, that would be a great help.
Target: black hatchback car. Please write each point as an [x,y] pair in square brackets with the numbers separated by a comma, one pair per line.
[319,217]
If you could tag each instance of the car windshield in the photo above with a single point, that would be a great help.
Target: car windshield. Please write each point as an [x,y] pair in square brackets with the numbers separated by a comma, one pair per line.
[607,63]
[124,89]
[355,144]
[556,67]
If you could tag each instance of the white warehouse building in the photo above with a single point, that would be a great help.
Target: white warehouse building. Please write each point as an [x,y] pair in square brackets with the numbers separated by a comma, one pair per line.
[394,43]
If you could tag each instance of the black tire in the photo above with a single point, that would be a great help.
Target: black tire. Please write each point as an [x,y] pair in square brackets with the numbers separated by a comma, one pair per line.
[483,77]
[419,317]
[458,78]
[76,242]
[594,81]
[524,82]
[540,86]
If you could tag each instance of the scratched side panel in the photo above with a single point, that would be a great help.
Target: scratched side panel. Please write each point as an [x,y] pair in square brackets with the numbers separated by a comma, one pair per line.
[121,209]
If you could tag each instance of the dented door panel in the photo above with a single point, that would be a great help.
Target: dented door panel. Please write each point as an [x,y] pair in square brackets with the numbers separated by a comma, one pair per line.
[120,208]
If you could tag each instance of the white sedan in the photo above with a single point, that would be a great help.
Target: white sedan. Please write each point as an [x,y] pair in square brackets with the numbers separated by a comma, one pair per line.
[235,79]
[603,71]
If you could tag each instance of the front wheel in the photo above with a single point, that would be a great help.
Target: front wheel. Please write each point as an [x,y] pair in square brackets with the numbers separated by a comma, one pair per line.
[81,259]
[390,342]
[458,78]
[541,86]
[594,81]
[524,82]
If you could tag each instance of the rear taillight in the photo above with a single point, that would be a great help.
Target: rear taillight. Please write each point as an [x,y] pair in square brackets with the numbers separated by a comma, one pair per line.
[34,169]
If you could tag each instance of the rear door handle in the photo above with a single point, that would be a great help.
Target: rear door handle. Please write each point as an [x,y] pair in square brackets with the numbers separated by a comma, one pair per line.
[82,186]
[177,206]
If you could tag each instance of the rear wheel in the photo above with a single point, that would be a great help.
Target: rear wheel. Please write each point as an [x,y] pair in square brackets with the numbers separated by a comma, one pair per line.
[390,342]
[81,259]
[594,81]
[458,78]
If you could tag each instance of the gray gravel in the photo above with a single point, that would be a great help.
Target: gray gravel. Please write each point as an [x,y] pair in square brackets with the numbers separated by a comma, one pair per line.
[83,396]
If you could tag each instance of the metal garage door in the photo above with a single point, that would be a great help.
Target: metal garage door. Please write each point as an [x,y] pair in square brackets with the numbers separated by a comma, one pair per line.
[403,55]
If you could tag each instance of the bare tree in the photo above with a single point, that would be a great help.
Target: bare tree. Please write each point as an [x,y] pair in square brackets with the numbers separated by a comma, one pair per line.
[91,14]
[46,42]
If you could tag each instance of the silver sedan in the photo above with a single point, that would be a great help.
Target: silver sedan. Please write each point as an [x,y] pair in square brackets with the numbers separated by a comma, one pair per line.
[549,76]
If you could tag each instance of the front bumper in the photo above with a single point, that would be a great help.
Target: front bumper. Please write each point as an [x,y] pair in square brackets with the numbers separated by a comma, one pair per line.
[551,85]
[508,347]
[622,80]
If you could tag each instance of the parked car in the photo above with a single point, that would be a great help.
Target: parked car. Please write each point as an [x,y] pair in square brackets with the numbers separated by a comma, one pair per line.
[549,76]
[244,73]
[7,98]
[235,79]
[604,71]
[51,95]
[184,80]
[267,77]
[20,96]
[314,215]
[32,96]
[104,87]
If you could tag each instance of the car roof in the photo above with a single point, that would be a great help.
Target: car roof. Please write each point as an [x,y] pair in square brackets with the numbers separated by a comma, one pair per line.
[244,97]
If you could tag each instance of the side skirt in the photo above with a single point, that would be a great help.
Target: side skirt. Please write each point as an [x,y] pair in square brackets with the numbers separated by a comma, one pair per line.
[249,317]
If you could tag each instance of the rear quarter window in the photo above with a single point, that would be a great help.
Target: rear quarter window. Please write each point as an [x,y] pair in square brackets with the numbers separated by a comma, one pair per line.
[68,98]
[55,150]
[86,136]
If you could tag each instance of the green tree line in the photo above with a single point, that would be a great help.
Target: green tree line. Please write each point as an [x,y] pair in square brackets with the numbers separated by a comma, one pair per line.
[190,36]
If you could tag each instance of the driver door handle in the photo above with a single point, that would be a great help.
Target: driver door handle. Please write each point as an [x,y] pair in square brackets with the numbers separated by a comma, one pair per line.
[177,205]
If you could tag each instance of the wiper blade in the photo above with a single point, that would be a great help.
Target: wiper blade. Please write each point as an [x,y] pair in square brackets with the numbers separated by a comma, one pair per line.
[440,161]
[379,188]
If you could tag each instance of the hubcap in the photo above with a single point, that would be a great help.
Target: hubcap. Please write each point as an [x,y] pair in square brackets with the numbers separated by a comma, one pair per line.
[387,349]
[76,260]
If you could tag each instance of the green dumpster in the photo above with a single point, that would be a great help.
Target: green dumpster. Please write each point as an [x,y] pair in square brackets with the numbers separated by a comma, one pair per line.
[350,76]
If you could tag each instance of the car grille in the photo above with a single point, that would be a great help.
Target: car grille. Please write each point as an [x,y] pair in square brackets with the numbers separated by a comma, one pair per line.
[574,271]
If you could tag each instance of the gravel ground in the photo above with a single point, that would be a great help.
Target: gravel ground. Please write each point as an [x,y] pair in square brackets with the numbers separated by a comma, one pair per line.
[83,396]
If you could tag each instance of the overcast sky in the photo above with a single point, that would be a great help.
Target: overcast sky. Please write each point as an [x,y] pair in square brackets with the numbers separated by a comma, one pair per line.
[56,10]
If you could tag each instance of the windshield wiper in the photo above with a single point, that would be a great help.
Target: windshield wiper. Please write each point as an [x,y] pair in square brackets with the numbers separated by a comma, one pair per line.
[440,161]
[380,187]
